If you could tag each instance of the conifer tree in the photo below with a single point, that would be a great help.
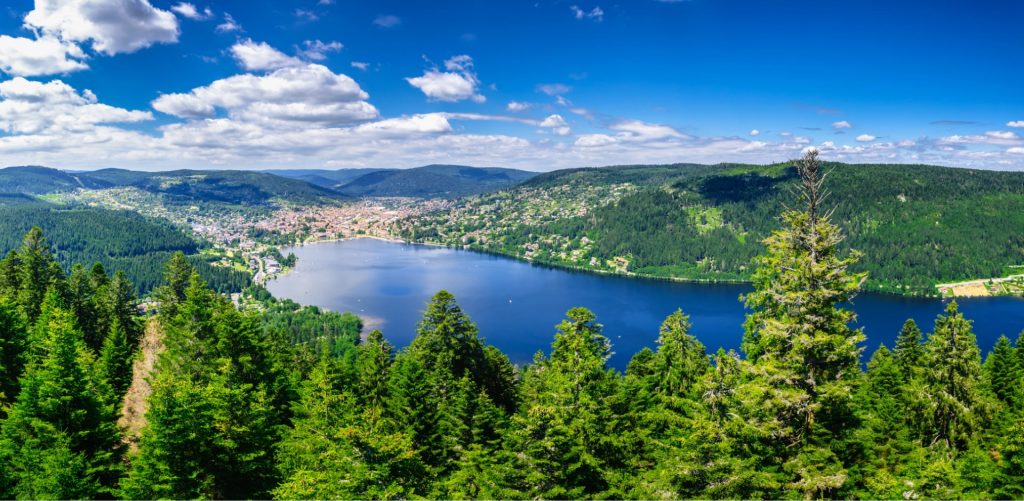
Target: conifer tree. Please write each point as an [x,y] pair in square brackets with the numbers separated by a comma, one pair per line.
[1002,372]
[115,359]
[13,343]
[909,349]
[560,435]
[374,364]
[331,453]
[36,272]
[952,375]
[804,356]
[60,424]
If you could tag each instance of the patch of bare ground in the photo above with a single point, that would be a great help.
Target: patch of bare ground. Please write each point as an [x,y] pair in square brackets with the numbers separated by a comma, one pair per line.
[133,411]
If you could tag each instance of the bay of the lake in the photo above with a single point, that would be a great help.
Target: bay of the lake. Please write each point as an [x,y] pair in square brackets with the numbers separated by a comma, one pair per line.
[516,304]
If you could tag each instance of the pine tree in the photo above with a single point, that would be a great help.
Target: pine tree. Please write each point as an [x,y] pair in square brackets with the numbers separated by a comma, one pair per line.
[680,359]
[374,364]
[115,360]
[13,343]
[1003,372]
[908,350]
[560,435]
[804,357]
[329,453]
[1011,479]
[36,272]
[61,424]
[952,375]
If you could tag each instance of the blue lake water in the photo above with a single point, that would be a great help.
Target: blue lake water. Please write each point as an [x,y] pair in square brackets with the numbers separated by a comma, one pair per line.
[516,304]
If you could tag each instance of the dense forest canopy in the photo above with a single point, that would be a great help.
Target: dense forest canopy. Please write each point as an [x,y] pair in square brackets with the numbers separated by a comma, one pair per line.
[276,400]
[121,240]
[917,225]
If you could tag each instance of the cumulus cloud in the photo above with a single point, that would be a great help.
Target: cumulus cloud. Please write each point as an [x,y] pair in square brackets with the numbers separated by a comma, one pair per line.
[259,56]
[190,11]
[1016,150]
[842,124]
[387,21]
[597,14]
[865,138]
[315,50]
[636,130]
[111,26]
[557,124]
[30,107]
[309,93]
[458,83]
[46,55]
[754,132]
[1015,123]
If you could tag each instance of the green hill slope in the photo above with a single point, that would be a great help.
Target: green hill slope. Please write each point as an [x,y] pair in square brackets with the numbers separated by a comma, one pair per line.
[434,181]
[918,225]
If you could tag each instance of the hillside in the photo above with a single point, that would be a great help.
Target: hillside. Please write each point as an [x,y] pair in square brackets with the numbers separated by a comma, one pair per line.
[918,225]
[434,181]
[121,240]
[40,180]
[322,177]
[232,187]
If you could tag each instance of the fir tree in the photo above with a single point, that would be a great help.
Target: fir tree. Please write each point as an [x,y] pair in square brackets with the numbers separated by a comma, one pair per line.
[908,350]
[1003,372]
[61,422]
[952,375]
[13,343]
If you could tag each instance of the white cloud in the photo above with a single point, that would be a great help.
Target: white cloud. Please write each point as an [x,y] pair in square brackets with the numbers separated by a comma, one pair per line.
[865,138]
[112,26]
[596,13]
[1005,135]
[459,83]
[30,107]
[1016,150]
[306,15]
[990,137]
[253,56]
[387,21]
[557,124]
[554,89]
[315,50]
[517,106]
[1015,123]
[46,55]
[284,98]
[842,124]
[642,131]
[190,11]
[229,25]
[359,65]
[754,132]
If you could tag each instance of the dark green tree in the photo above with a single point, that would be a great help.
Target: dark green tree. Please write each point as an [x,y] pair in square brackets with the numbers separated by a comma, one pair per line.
[13,343]
[909,349]
[952,375]
[1003,372]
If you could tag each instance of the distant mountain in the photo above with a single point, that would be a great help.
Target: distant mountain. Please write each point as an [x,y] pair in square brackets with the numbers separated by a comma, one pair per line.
[184,186]
[322,177]
[33,180]
[225,186]
[434,181]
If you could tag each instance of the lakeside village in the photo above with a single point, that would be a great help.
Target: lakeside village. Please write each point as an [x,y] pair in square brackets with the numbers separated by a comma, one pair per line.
[249,239]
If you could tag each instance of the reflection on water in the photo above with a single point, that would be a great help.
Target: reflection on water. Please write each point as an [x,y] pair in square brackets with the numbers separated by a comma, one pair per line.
[516,305]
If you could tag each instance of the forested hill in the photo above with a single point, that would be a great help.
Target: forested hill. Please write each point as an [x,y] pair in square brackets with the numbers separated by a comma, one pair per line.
[121,240]
[434,181]
[918,225]
[181,186]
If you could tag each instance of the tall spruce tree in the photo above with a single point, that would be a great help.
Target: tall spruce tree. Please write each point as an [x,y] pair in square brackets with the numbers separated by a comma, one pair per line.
[909,349]
[803,354]
[952,375]
[1003,373]
[13,343]
[60,440]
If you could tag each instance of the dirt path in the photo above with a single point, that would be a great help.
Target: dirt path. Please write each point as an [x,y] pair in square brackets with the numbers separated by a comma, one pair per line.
[133,412]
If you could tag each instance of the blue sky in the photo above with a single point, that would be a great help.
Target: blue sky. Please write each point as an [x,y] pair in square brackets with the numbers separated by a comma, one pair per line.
[541,84]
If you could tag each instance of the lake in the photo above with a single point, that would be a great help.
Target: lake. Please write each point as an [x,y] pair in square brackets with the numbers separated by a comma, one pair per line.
[517,304]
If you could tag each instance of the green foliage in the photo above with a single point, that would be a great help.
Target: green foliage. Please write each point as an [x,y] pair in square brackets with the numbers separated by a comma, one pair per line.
[93,235]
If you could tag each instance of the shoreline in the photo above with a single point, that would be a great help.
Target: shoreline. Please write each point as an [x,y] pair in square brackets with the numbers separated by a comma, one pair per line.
[581,269]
